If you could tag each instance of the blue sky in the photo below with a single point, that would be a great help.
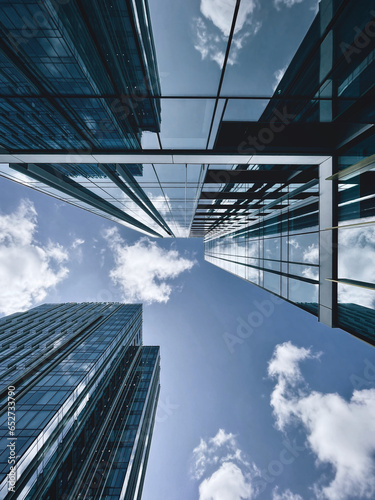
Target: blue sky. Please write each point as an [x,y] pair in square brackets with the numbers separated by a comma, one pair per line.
[258,399]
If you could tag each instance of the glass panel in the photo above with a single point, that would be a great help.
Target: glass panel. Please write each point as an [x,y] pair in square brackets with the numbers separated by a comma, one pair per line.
[356,310]
[186,48]
[253,275]
[216,122]
[304,248]
[244,109]
[356,257]
[303,293]
[272,248]
[310,272]
[150,140]
[284,287]
[271,282]
[250,69]
[185,124]
[357,196]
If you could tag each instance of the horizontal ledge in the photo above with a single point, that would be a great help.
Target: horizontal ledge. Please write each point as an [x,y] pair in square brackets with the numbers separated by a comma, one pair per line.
[345,226]
[187,97]
[245,195]
[271,176]
[360,284]
[354,170]
[158,156]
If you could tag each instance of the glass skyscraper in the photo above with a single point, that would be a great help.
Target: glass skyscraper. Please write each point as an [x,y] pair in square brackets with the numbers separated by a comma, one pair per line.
[299,229]
[86,392]
[280,185]
[80,76]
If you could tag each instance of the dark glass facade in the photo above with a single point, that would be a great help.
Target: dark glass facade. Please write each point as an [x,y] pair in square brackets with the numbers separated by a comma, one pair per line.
[306,232]
[81,76]
[86,392]
[72,66]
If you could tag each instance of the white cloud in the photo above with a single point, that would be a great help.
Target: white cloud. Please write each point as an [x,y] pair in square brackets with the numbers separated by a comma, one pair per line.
[77,249]
[340,433]
[222,438]
[27,269]
[286,495]
[312,273]
[284,363]
[219,449]
[294,243]
[228,474]
[200,454]
[210,45]
[77,242]
[356,257]
[220,12]
[287,3]
[142,269]
[284,366]
[212,30]
[278,74]
[311,255]
[227,483]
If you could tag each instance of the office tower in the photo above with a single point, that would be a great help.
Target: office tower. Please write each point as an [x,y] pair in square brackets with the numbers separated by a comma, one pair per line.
[280,186]
[86,392]
[80,76]
[302,230]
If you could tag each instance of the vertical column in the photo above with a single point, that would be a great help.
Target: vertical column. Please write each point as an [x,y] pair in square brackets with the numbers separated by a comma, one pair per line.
[327,244]
[326,194]
[326,61]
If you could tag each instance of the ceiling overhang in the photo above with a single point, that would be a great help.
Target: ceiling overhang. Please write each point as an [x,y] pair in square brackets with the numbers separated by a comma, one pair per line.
[160,157]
